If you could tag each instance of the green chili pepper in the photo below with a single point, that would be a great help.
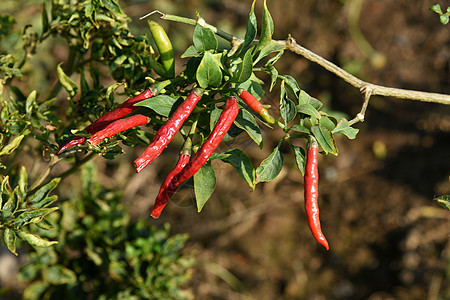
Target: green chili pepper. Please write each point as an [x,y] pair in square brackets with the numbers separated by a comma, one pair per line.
[164,47]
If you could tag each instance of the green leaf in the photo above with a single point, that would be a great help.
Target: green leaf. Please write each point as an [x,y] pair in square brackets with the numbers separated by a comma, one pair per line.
[34,240]
[250,33]
[23,182]
[328,121]
[271,47]
[246,121]
[13,145]
[436,8]
[208,72]
[113,7]
[271,166]
[29,103]
[218,58]
[10,207]
[273,77]
[274,59]
[325,139]
[9,238]
[35,290]
[110,90]
[344,128]
[190,52]
[68,84]
[245,69]
[300,157]
[117,63]
[5,193]
[214,116]
[94,256]
[161,104]
[34,216]
[288,110]
[266,28]
[44,224]
[47,201]
[291,85]
[301,129]
[37,198]
[58,274]
[204,185]
[443,201]
[204,39]
[45,25]
[85,89]
[241,164]
[309,110]
[304,98]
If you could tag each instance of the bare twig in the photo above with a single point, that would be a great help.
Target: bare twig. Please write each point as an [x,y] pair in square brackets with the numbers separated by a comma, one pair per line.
[360,117]
[291,45]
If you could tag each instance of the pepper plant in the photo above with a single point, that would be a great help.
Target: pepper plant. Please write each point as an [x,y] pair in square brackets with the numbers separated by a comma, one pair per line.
[98,37]
[220,74]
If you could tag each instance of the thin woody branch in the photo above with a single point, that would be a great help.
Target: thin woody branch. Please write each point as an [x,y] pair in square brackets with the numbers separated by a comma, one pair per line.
[292,45]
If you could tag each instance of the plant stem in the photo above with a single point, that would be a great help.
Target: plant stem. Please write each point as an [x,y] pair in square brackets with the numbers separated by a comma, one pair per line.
[200,21]
[77,165]
[54,160]
[360,117]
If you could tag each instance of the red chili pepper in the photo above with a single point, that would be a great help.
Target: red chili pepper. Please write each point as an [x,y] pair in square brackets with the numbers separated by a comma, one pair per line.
[256,106]
[185,169]
[168,188]
[109,117]
[125,108]
[118,126]
[166,133]
[311,182]
[222,126]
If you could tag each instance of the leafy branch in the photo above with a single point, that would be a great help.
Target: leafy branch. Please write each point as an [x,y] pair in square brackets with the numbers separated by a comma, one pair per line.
[368,89]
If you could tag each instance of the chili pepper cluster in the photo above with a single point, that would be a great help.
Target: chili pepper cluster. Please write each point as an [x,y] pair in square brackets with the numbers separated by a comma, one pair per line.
[125,117]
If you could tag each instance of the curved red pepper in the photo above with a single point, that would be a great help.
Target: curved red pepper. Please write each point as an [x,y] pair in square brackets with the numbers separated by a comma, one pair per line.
[311,182]
[124,108]
[168,188]
[118,126]
[166,133]
[222,126]
[109,117]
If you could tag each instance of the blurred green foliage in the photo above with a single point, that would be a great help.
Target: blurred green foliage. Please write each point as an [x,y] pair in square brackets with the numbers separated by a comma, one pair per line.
[74,48]
[443,17]
[104,255]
